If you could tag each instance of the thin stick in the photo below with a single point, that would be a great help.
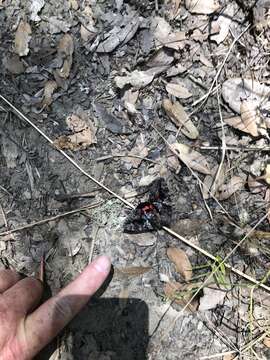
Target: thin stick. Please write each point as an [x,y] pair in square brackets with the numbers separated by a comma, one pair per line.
[44,221]
[235,148]
[224,62]
[212,257]
[214,356]
[20,114]
[107,157]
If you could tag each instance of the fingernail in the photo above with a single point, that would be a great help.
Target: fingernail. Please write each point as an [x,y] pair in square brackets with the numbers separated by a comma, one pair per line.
[102,264]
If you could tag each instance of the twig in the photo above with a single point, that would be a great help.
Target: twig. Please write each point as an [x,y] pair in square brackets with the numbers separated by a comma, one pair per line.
[236,148]
[74,163]
[107,157]
[212,257]
[44,221]
[224,62]
[214,356]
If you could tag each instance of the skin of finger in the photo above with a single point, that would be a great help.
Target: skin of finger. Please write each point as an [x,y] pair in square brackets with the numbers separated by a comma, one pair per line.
[24,296]
[8,278]
[51,317]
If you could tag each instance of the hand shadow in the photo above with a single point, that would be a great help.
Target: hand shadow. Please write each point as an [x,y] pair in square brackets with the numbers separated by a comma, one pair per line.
[106,329]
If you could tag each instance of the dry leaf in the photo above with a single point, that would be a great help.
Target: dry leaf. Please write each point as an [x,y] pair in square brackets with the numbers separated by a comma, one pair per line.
[175,40]
[140,149]
[229,356]
[181,262]
[227,190]
[49,88]
[139,79]
[202,6]
[65,53]
[135,270]
[178,90]
[22,38]
[266,341]
[205,61]
[181,294]
[120,34]
[236,89]
[191,158]
[73,4]
[88,30]
[250,117]
[211,183]
[174,8]
[13,64]
[130,97]
[84,132]
[177,114]
[255,186]
[223,22]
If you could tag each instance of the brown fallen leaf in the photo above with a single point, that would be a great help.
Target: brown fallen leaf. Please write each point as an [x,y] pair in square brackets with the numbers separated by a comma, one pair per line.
[49,88]
[178,90]
[181,262]
[179,117]
[255,186]
[250,117]
[22,38]
[266,341]
[191,158]
[225,191]
[84,132]
[134,270]
[181,294]
[65,53]
[202,6]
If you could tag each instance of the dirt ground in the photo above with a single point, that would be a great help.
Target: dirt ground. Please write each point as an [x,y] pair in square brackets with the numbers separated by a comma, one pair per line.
[117,94]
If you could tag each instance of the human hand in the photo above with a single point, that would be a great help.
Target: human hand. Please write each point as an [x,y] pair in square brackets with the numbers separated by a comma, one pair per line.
[25,330]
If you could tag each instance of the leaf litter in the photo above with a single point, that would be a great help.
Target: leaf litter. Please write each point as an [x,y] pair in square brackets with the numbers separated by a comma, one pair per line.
[132,66]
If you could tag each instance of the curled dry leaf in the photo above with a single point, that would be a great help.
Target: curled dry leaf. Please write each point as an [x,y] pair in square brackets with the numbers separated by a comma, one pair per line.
[202,6]
[84,132]
[255,186]
[191,158]
[22,38]
[178,90]
[179,117]
[49,89]
[65,53]
[181,262]
[227,190]
[181,294]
